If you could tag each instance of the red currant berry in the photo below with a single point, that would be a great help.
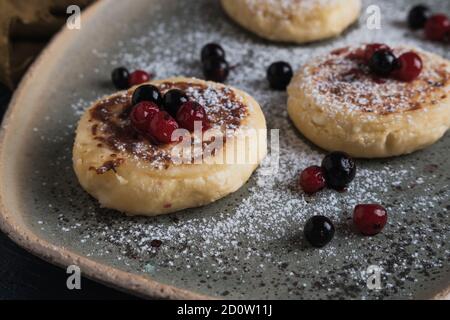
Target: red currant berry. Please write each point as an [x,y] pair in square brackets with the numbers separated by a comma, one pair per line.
[358,54]
[162,127]
[372,48]
[138,77]
[142,114]
[409,67]
[312,179]
[190,113]
[436,27]
[370,219]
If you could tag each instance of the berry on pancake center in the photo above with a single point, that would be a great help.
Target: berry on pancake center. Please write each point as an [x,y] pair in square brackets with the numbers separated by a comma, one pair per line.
[382,62]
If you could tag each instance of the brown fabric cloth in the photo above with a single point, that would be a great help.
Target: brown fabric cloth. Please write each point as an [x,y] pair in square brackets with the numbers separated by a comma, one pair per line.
[25,28]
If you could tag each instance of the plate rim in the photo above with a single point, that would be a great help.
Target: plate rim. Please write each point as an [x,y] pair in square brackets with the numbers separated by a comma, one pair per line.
[143,286]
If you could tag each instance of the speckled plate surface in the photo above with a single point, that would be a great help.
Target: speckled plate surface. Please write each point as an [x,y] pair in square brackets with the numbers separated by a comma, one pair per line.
[248,245]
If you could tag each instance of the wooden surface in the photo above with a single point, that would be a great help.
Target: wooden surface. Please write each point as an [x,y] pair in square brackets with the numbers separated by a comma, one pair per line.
[23,276]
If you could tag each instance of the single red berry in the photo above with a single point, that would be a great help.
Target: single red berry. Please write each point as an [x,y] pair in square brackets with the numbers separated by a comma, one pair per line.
[410,66]
[436,27]
[358,54]
[142,114]
[162,127]
[190,113]
[138,77]
[312,179]
[372,48]
[370,219]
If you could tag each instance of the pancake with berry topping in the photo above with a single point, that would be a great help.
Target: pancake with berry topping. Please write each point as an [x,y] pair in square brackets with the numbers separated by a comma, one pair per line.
[297,21]
[138,172]
[339,103]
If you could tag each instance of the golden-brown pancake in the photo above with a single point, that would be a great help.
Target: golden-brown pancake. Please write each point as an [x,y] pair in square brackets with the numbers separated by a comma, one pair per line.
[127,172]
[338,105]
[294,20]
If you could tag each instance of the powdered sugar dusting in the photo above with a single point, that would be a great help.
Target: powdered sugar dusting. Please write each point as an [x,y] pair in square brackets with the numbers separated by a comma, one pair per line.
[250,244]
[338,83]
[224,108]
[285,8]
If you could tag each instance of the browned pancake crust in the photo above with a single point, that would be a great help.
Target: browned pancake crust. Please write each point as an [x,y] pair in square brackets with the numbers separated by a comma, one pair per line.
[342,83]
[112,128]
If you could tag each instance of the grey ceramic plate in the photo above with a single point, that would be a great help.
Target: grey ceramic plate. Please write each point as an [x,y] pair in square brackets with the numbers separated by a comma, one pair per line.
[248,245]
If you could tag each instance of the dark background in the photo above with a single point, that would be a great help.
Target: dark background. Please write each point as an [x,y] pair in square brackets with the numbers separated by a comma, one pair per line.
[23,276]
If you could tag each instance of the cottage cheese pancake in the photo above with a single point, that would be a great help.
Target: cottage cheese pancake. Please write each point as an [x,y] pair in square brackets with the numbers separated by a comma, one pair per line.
[128,172]
[338,105]
[294,20]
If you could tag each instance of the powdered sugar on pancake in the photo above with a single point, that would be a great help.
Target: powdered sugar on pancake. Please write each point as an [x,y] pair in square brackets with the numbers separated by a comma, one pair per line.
[249,245]
[338,83]
[111,126]
[284,7]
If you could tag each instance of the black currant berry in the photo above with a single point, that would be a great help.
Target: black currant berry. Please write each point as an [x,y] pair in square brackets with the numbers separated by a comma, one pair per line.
[319,231]
[147,93]
[279,75]
[339,170]
[120,78]
[383,63]
[418,16]
[212,51]
[173,100]
[216,70]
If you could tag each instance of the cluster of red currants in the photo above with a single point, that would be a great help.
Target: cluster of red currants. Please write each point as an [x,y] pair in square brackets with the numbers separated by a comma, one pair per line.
[157,116]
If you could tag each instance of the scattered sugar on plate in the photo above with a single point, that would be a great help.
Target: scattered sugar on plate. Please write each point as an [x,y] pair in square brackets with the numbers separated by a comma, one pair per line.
[250,244]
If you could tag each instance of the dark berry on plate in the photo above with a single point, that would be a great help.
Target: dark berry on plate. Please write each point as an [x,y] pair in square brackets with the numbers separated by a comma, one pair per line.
[139,77]
[437,27]
[319,231]
[147,93]
[142,114]
[312,179]
[447,37]
[279,75]
[409,67]
[372,48]
[120,78]
[190,113]
[212,51]
[173,100]
[339,169]
[418,16]
[382,63]
[370,219]
[216,70]
[162,127]
[156,243]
